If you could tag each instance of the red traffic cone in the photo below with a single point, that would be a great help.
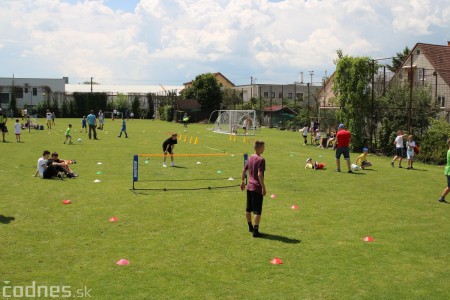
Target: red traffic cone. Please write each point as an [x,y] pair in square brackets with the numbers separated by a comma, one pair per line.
[294,206]
[368,239]
[113,220]
[276,261]
[122,262]
[67,202]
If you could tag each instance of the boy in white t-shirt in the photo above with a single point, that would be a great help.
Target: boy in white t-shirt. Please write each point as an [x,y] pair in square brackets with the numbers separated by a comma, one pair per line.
[304,132]
[17,129]
[398,148]
[410,145]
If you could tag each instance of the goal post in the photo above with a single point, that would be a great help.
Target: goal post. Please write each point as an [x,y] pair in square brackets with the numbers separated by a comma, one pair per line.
[234,121]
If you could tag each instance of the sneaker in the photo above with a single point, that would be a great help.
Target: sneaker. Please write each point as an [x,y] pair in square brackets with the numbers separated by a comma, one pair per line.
[71,143]
[400,166]
[75,174]
[164,165]
[61,175]
[392,164]
[408,168]
[442,199]
[173,165]
[338,170]
[350,172]
[257,234]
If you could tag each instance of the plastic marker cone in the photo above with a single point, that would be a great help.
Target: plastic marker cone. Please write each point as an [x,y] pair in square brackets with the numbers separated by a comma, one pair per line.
[113,220]
[122,262]
[196,141]
[199,163]
[368,239]
[185,138]
[219,172]
[235,138]
[245,140]
[180,137]
[67,202]
[231,178]
[276,261]
[294,206]
[231,137]
[273,196]
[146,162]
[97,180]
[99,173]
[190,140]
[99,163]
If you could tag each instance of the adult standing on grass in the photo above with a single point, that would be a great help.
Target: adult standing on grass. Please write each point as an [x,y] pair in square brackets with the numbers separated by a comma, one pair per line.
[343,139]
[101,120]
[168,146]
[447,174]
[398,142]
[256,189]
[304,132]
[92,122]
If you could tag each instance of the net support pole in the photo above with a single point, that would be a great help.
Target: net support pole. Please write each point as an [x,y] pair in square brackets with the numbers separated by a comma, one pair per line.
[245,163]
[135,168]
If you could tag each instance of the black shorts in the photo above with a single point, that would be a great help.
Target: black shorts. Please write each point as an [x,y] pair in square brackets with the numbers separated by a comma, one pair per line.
[399,152]
[448,181]
[168,150]
[343,150]
[254,202]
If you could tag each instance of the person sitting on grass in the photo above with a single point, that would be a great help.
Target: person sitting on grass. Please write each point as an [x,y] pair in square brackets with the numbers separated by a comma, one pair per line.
[64,163]
[48,169]
[168,146]
[314,165]
[67,134]
[362,161]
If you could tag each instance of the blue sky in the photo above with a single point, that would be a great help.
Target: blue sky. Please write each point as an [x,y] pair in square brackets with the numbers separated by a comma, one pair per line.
[147,42]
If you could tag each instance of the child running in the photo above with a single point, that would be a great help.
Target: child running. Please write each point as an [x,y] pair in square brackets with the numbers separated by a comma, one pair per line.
[124,128]
[84,124]
[256,188]
[67,134]
[362,161]
[168,146]
[17,129]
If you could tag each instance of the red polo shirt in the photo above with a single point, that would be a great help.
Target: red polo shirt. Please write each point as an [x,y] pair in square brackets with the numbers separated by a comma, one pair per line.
[343,137]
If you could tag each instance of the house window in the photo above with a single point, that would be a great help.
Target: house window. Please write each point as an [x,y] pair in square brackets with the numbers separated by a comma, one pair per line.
[18,91]
[272,95]
[289,95]
[34,91]
[280,95]
[266,94]
[441,101]
[421,74]
[26,90]
[4,98]
[300,96]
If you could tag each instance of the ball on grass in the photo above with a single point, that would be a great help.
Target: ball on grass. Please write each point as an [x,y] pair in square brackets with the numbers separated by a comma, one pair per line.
[79,140]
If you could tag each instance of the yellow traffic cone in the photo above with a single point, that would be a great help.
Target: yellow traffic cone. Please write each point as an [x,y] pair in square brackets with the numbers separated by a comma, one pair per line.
[190,141]
[180,137]
[196,141]
[231,137]
[245,140]
[185,138]
[235,138]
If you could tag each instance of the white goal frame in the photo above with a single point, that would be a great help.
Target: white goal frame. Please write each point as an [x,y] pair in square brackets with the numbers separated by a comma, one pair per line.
[232,121]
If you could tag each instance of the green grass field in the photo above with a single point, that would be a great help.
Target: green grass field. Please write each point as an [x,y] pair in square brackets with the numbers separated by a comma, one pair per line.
[194,244]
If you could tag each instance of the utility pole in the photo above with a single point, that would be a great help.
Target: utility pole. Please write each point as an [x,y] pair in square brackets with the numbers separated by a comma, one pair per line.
[410,93]
[91,83]
[372,109]
[311,73]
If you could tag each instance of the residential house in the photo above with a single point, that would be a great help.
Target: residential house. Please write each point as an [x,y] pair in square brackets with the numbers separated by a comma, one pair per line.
[225,82]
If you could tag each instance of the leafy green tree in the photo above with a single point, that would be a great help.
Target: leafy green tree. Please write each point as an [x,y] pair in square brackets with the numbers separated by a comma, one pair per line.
[65,111]
[398,60]
[207,90]
[55,105]
[433,148]
[136,106]
[121,102]
[150,104]
[353,92]
[394,112]
[13,103]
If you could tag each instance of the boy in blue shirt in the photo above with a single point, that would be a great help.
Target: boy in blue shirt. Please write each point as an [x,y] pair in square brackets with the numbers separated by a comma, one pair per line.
[124,128]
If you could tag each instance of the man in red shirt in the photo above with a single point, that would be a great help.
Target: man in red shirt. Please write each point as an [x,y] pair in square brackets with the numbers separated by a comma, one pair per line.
[343,139]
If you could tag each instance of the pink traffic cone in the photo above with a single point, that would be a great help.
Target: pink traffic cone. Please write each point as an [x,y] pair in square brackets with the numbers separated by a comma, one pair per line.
[276,261]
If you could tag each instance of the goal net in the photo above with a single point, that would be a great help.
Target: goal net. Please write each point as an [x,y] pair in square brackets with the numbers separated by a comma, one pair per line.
[234,121]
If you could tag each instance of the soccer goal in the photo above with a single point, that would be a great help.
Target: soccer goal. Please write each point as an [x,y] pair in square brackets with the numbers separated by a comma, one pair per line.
[234,121]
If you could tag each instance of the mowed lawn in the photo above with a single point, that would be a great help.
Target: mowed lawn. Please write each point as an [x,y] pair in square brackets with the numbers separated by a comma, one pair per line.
[194,244]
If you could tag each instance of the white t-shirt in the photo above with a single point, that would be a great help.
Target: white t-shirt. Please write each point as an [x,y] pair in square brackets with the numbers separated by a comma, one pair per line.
[49,116]
[17,128]
[304,130]
[399,141]
[410,145]
[41,164]
[244,124]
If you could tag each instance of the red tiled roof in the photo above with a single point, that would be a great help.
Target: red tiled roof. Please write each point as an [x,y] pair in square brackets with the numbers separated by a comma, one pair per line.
[277,108]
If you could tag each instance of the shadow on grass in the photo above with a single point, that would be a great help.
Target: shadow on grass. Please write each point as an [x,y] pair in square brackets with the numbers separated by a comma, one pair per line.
[179,167]
[372,170]
[421,170]
[6,220]
[357,173]
[279,238]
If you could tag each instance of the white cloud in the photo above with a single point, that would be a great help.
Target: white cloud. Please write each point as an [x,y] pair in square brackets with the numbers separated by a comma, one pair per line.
[174,40]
